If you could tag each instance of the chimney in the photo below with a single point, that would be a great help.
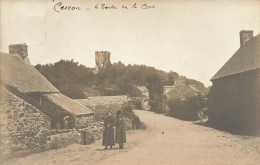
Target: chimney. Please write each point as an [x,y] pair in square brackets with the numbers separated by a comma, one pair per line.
[21,50]
[245,35]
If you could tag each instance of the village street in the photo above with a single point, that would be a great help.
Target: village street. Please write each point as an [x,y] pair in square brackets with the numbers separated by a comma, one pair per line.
[166,141]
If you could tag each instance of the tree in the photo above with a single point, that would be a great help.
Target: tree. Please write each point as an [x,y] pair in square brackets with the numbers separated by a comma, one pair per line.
[73,79]
[188,109]
[171,78]
[155,87]
[67,76]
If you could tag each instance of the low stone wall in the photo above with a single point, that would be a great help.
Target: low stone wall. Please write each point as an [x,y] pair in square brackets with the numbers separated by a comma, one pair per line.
[102,100]
[63,139]
[101,111]
[102,105]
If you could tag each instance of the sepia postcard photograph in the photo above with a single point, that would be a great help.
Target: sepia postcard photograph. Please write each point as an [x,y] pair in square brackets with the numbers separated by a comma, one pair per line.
[130,82]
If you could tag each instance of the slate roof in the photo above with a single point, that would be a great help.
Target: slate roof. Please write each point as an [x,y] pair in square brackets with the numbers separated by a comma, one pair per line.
[26,79]
[23,77]
[181,92]
[143,90]
[68,104]
[194,87]
[245,59]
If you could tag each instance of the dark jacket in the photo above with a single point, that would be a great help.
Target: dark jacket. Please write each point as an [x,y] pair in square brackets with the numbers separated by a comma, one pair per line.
[108,134]
[120,131]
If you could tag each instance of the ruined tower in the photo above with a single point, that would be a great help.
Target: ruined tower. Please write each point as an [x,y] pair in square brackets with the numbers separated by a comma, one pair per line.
[102,59]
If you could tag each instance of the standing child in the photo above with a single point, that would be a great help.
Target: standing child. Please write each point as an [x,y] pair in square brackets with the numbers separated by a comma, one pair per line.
[120,130]
[108,134]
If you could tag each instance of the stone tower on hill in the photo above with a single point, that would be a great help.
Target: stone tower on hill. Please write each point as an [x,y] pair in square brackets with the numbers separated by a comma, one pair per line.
[102,59]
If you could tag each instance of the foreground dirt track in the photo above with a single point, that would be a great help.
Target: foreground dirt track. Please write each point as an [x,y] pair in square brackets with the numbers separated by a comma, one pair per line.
[166,141]
[186,143]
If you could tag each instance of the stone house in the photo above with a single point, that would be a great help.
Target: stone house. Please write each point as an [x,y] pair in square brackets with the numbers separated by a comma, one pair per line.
[29,103]
[233,100]
[180,90]
[145,98]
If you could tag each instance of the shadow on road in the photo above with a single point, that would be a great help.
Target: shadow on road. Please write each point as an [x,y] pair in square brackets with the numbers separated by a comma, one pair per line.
[231,130]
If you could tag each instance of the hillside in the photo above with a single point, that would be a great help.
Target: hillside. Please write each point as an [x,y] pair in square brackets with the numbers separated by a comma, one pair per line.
[78,81]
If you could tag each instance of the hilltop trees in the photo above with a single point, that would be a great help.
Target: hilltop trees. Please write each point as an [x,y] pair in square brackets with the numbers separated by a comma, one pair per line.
[78,81]
[68,76]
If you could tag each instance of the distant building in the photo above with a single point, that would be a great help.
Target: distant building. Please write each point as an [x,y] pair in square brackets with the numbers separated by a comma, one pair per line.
[145,98]
[102,59]
[233,100]
[180,90]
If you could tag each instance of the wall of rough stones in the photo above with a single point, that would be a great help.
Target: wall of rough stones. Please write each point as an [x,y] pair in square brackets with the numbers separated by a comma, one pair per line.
[23,128]
[101,111]
[102,104]
[83,121]
[63,139]
[103,100]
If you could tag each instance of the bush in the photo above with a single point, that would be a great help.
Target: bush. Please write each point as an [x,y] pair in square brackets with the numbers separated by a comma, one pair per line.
[188,109]
[136,102]
[126,109]
[132,118]
[156,106]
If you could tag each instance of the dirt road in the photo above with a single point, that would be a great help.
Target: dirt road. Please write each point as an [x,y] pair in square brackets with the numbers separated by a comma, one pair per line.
[166,141]
[173,141]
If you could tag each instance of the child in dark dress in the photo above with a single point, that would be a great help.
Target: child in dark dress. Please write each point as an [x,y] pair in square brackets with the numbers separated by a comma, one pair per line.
[120,130]
[108,134]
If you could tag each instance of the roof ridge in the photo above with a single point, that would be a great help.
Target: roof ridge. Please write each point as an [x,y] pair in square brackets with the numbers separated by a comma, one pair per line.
[24,77]
[246,58]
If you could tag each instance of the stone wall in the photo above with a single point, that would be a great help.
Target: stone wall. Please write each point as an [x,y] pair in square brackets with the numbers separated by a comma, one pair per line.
[63,139]
[102,110]
[84,121]
[23,128]
[91,102]
[101,105]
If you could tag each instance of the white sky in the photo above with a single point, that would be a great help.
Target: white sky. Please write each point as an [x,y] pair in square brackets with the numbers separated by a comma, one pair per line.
[192,38]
